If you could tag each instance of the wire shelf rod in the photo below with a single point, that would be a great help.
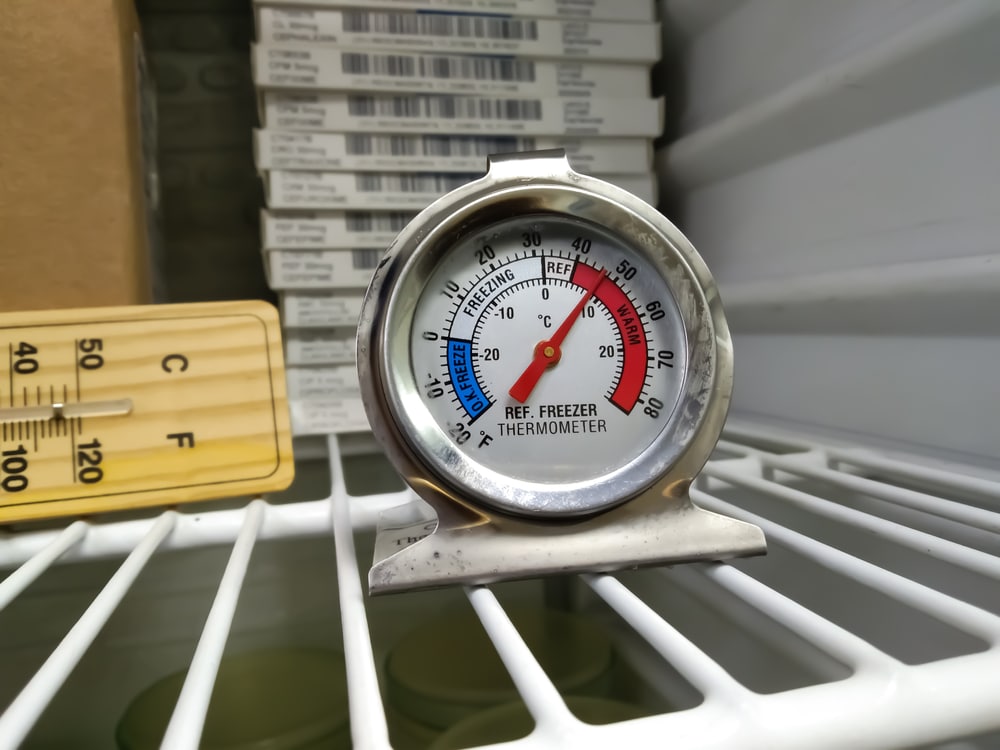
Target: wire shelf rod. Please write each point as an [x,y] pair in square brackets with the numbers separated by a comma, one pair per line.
[841,644]
[948,609]
[188,719]
[119,538]
[25,709]
[963,484]
[979,518]
[540,696]
[944,549]
[755,624]
[704,674]
[25,575]
[368,725]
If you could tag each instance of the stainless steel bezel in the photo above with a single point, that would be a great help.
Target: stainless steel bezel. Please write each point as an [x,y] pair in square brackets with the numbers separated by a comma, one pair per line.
[540,184]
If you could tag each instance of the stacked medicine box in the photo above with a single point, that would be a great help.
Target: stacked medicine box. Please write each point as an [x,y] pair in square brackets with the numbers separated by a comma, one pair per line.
[370,113]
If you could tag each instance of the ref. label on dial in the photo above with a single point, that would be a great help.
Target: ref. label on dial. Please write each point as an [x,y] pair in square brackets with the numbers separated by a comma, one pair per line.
[548,349]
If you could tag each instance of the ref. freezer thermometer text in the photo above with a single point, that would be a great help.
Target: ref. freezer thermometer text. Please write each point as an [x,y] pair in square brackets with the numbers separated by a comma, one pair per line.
[124,407]
[549,339]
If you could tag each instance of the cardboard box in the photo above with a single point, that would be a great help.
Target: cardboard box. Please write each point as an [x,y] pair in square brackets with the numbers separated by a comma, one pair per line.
[76,138]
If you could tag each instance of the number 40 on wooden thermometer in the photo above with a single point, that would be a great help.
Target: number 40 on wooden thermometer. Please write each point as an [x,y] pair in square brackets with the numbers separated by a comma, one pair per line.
[110,408]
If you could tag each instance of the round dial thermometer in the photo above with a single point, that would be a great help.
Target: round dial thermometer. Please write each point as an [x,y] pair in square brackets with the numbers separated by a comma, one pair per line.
[544,344]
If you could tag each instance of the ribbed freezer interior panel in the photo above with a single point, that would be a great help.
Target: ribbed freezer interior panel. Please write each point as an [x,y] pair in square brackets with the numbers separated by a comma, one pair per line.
[836,166]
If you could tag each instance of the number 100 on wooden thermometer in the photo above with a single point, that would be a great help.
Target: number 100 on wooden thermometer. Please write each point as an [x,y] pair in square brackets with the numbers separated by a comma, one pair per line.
[110,408]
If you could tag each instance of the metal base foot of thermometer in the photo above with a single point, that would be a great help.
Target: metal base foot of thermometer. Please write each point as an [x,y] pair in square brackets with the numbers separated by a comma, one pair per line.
[545,359]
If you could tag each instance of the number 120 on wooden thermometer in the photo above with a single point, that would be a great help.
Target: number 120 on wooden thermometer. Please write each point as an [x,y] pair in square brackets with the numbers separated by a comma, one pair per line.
[110,408]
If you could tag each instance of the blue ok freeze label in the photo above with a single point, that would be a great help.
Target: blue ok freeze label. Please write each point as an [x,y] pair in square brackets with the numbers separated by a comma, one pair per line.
[463,381]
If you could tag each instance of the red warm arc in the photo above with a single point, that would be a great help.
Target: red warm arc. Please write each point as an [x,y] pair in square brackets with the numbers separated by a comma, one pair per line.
[633,336]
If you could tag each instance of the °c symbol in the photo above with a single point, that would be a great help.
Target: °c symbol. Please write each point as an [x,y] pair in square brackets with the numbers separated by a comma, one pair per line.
[180,358]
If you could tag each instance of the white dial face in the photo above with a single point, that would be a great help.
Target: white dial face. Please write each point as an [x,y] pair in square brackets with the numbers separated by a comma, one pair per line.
[548,350]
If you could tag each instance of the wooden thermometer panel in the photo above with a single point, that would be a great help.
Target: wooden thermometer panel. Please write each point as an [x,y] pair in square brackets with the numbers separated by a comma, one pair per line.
[110,408]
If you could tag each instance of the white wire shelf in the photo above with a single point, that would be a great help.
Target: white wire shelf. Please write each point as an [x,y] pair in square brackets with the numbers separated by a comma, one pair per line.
[881,587]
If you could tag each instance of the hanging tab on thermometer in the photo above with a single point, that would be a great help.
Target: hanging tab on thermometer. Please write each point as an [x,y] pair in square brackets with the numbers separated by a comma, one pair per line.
[110,408]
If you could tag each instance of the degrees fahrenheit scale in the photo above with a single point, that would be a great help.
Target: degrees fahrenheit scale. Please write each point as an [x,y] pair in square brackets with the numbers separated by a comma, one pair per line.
[112,408]
[546,361]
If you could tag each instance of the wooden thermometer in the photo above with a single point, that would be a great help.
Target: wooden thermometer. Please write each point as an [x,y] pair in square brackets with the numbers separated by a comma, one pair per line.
[123,407]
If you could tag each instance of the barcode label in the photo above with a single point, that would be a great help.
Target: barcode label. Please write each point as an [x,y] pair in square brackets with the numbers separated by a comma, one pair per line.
[430,73]
[476,116]
[445,107]
[365,259]
[316,382]
[320,347]
[384,145]
[474,27]
[487,35]
[332,230]
[445,67]
[410,183]
[359,191]
[372,152]
[367,221]
[433,145]
[328,414]
[324,310]
[321,269]
[635,11]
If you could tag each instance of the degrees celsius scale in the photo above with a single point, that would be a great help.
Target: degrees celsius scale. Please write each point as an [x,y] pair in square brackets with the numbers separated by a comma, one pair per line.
[545,359]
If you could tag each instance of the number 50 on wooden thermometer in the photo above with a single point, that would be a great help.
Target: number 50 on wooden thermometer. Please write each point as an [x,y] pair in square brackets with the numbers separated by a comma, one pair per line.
[110,408]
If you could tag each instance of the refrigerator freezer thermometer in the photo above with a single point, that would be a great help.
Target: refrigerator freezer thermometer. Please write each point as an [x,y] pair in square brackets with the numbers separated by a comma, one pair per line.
[546,360]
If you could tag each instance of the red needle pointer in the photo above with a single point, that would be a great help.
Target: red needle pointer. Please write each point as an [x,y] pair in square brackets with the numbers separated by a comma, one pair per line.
[547,352]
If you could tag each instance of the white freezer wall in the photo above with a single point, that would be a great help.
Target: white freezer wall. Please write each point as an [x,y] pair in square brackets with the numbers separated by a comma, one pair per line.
[838,166]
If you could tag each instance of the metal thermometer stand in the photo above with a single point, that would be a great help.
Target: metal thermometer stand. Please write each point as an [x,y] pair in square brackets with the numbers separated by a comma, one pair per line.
[638,515]
[470,546]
